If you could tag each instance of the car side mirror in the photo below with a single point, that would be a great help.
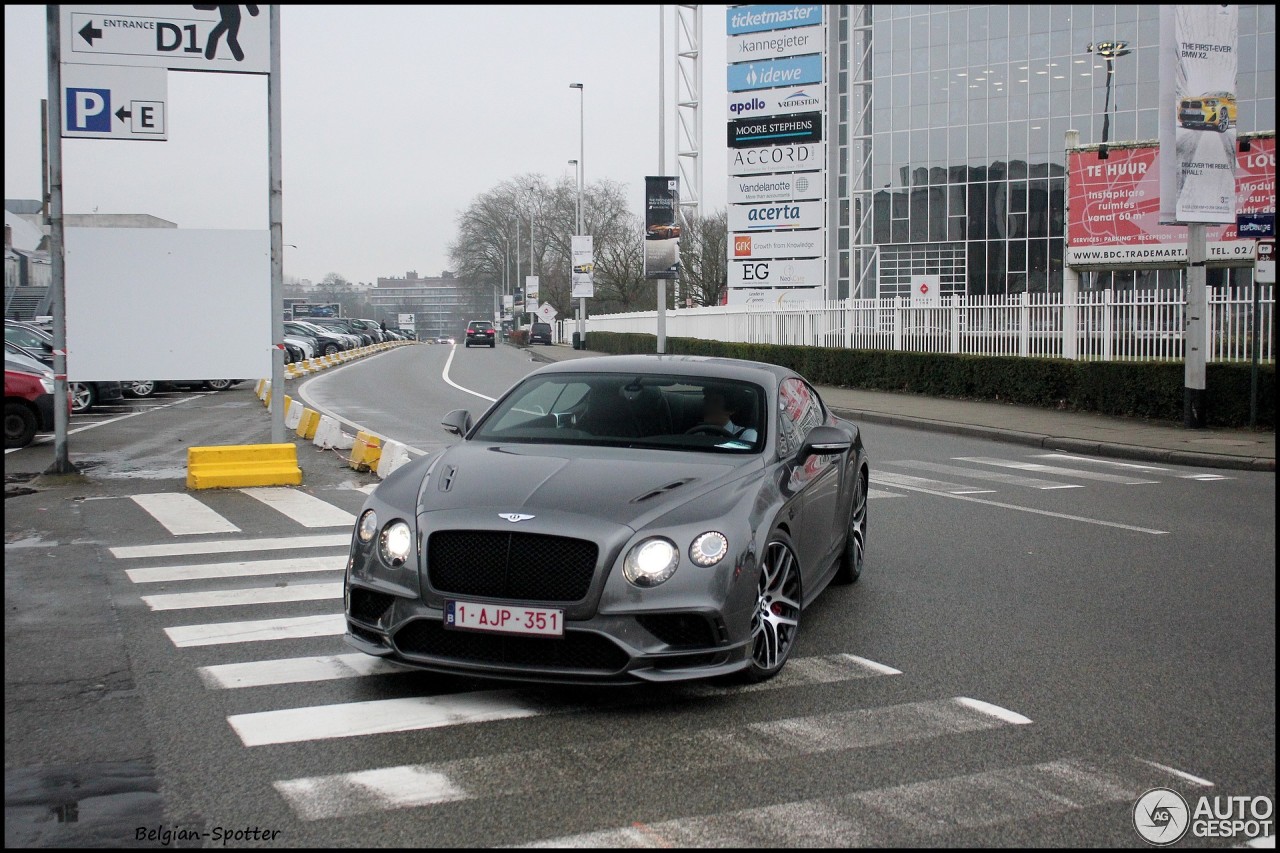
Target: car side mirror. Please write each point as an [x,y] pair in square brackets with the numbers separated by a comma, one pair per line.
[457,422]
[824,441]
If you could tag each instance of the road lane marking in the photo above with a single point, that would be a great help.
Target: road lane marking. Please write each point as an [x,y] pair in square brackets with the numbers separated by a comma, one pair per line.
[217,633]
[227,546]
[1054,469]
[1010,479]
[234,597]
[240,568]
[307,510]
[890,479]
[183,515]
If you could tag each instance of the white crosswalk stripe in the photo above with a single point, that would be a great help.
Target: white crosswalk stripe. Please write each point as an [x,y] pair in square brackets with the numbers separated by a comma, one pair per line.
[365,792]
[1008,479]
[256,595]
[241,568]
[1055,469]
[218,633]
[181,514]
[307,510]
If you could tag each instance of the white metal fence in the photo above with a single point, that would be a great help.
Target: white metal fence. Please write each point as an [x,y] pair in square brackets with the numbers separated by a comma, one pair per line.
[1139,325]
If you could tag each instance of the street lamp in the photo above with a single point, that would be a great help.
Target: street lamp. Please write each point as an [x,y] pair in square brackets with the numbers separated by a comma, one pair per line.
[578,201]
[1108,50]
[582,168]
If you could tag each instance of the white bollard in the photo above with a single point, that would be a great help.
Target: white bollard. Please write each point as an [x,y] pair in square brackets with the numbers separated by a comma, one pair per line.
[293,414]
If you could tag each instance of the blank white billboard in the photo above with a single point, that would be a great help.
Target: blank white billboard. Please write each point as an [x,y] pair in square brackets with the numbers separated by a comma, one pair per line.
[167,303]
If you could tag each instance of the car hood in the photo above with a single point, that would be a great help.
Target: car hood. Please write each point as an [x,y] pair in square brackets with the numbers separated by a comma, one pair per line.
[621,485]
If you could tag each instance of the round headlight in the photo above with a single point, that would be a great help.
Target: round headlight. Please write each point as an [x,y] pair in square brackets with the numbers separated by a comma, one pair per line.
[368,526]
[396,543]
[651,562]
[708,549]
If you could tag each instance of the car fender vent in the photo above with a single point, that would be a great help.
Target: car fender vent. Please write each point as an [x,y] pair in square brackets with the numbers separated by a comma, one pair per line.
[661,490]
[446,478]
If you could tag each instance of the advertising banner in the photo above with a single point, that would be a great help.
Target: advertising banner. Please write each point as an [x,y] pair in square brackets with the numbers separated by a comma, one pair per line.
[755,19]
[772,102]
[584,267]
[771,45]
[1114,207]
[791,273]
[1198,60]
[777,158]
[661,227]
[772,73]
[799,128]
[531,289]
[776,244]
[761,217]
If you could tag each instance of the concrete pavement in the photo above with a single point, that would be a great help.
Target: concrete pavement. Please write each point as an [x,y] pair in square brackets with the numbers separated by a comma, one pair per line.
[1075,432]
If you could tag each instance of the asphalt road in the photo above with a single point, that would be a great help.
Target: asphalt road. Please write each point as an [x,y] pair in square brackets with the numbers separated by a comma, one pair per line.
[1038,640]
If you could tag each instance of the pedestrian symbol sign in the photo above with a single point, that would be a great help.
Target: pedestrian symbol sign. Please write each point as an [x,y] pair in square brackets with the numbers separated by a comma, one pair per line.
[199,37]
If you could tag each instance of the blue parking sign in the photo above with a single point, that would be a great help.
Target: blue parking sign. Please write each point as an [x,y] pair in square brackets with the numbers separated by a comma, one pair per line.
[89,110]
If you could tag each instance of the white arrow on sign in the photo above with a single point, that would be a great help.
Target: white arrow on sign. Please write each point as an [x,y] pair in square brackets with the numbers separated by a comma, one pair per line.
[114,102]
[219,38]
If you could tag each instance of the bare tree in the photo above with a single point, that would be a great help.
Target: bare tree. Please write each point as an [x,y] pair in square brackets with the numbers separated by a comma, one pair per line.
[704,273]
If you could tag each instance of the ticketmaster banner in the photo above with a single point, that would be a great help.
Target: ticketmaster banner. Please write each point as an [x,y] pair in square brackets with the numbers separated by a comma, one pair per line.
[1198,61]
[755,19]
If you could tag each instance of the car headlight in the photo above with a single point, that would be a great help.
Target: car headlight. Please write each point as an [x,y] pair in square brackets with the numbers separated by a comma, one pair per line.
[368,526]
[651,562]
[708,548]
[396,543]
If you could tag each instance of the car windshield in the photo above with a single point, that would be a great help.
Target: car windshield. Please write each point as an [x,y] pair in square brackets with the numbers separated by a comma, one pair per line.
[667,412]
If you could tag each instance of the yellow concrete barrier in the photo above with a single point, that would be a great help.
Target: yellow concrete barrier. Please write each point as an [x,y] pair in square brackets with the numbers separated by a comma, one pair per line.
[236,466]
[307,424]
[365,451]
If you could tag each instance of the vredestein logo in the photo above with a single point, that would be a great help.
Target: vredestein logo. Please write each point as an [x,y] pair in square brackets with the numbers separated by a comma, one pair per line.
[799,99]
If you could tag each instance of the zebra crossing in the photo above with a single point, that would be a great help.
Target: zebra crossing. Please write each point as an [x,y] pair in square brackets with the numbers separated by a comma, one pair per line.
[202,595]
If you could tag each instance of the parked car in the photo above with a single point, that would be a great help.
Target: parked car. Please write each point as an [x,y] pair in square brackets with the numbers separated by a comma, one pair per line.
[371,327]
[481,333]
[345,325]
[598,524]
[28,405]
[540,333]
[328,341]
[84,395]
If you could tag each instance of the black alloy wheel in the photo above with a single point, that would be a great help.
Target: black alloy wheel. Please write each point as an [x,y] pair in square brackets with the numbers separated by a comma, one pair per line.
[775,621]
[855,544]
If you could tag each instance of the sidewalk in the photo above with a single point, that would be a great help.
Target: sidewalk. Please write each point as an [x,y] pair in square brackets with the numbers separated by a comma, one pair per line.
[1075,432]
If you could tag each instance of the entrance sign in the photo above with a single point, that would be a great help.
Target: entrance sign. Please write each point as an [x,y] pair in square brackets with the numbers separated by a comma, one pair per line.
[215,38]
[114,102]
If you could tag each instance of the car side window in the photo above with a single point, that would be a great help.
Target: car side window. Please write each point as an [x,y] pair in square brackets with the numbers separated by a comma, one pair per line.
[800,409]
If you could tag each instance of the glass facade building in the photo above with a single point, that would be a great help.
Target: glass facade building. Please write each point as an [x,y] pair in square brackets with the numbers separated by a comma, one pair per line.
[951,126]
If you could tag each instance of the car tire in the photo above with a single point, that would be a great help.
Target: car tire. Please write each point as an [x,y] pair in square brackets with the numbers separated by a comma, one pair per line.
[854,555]
[330,349]
[218,384]
[82,397]
[775,619]
[141,387]
[19,425]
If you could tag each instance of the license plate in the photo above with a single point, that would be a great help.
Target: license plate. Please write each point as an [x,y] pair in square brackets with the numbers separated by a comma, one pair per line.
[504,618]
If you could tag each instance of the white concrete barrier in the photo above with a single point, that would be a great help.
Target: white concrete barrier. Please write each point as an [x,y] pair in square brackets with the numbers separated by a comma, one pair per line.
[329,434]
[394,454]
[293,414]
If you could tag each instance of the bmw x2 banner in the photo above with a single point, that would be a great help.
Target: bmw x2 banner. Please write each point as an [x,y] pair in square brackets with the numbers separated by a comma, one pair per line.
[661,227]
[1198,63]
[584,265]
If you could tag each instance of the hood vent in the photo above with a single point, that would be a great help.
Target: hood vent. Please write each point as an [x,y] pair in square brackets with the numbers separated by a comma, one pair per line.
[662,490]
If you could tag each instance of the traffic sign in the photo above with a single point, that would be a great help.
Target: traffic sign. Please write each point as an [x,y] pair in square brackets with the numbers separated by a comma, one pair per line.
[114,102]
[1264,270]
[204,38]
[547,312]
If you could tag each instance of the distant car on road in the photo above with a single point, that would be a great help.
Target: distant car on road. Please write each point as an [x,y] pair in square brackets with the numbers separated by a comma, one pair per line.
[540,333]
[481,333]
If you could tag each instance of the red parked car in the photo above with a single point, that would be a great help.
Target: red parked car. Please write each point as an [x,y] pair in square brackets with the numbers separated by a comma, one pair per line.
[28,406]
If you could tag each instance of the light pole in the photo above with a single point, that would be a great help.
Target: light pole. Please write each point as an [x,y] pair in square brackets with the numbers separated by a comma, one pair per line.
[578,202]
[1108,50]
[582,168]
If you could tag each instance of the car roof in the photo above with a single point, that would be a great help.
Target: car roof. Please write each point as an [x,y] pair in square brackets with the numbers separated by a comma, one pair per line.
[679,365]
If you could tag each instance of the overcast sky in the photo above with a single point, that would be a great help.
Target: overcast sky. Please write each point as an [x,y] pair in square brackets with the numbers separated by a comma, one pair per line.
[394,118]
